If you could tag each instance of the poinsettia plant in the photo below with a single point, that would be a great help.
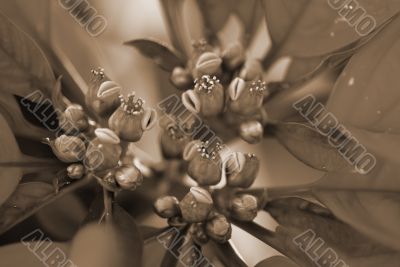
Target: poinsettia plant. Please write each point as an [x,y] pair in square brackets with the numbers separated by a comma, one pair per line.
[336,110]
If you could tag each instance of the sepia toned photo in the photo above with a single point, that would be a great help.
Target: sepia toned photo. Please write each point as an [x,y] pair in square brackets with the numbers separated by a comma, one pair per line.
[199,133]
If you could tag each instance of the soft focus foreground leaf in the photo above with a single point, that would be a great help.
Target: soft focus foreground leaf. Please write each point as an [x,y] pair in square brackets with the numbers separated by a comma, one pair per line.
[30,254]
[375,214]
[296,26]
[164,56]
[176,29]
[20,126]
[62,218]
[276,261]
[366,100]
[10,176]
[297,216]
[118,244]
[23,66]
[25,197]
[310,147]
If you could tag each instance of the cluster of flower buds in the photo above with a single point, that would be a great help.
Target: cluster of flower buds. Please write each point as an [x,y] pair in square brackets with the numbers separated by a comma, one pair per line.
[224,83]
[95,147]
[196,209]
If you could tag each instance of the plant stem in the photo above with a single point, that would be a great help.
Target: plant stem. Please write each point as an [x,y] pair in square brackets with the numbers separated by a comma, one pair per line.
[108,201]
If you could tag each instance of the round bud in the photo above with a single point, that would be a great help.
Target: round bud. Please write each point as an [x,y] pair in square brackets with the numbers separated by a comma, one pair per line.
[244,207]
[208,63]
[75,171]
[101,155]
[75,115]
[219,229]
[181,78]
[251,131]
[196,205]
[167,206]
[68,148]
[128,177]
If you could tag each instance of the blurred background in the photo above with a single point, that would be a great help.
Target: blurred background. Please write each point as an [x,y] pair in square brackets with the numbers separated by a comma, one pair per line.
[127,19]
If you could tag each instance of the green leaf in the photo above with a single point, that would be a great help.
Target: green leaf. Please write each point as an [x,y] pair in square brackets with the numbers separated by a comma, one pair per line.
[9,176]
[296,26]
[118,244]
[276,261]
[17,255]
[312,148]
[164,56]
[23,67]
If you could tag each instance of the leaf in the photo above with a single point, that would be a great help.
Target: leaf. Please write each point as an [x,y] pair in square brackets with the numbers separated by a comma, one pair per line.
[31,197]
[23,67]
[164,56]
[173,17]
[250,14]
[311,147]
[16,120]
[376,215]
[118,244]
[63,217]
[366,101]
[276,261]
[25,197]
[297,216]
[17,255]
[296,26]
[9,176]
[215,15]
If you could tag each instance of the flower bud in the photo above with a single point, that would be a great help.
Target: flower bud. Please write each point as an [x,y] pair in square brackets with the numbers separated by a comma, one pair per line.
[219,229]
[181,78]
[107,136]
[75,115]
[251,131]
[198,233]
[205,167]
[207,97]
[196,205]
[128,177]
[102,155]
[244,207]
[108,181]
[102,95]
[208,63]
[75,171]
[251,70]
[241,169]
[233,56]
[130,119]
[67,148]
[246,100]
[167,207]
[173,141]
